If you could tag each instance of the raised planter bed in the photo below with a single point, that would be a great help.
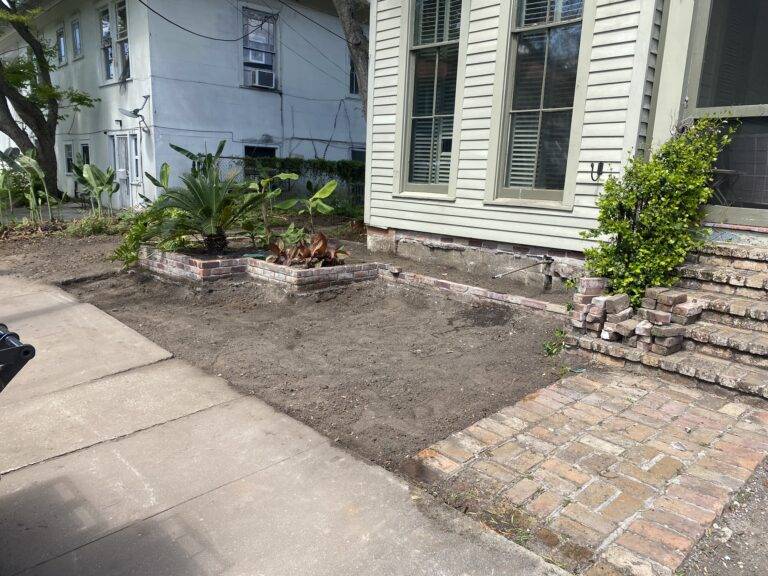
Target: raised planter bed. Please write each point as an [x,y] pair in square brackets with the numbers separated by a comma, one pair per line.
[309,280]
[299,280]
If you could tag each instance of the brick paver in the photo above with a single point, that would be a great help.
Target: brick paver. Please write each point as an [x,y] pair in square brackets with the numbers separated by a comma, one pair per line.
[605,472]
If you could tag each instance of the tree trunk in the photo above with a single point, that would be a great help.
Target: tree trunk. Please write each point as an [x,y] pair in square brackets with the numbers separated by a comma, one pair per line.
[46,157]
[358,45]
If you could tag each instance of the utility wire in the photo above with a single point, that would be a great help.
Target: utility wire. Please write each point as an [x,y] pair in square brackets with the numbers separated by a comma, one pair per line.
[300,13]
[148,7]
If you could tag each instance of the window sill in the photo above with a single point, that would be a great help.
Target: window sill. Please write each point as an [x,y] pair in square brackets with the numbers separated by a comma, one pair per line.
[260,88]
[425,195]
[106,83]
[531,203]
[78,58]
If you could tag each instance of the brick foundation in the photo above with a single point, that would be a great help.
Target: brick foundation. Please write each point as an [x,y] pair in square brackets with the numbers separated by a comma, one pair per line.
[548,266]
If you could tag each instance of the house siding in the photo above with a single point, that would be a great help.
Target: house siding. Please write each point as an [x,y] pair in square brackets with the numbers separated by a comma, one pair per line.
[616,81]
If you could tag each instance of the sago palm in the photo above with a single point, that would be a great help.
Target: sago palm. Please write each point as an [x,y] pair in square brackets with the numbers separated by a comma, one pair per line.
[209,205]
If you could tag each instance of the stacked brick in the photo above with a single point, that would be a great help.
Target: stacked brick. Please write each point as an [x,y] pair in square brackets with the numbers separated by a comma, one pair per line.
[664,314]
[589,309]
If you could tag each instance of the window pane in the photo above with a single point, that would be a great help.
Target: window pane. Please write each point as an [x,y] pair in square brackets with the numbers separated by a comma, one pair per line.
[565,10]
[531,12]
[523,144]
[562,63]
[85,154]
[424,82]
[421,151]
[431,19]
[734,69]
[106,34]
[553,150]
[742,179]
[426,22]
[77,46]
[122,21]
[529,70]
[443,148]
[448,61]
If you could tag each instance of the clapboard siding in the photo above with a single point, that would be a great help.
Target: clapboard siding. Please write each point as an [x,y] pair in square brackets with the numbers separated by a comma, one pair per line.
[611,96]
[653,52]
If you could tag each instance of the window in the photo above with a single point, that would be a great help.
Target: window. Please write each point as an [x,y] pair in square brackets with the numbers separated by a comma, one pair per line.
[77,42]
[61,46]
[546,35]
[122,40]
[115,54]
[357,154]
[107,53]
[69,157]
[252,169]
[354,88]
[434,55]
[259,49]
[135,158]
[728,78]
[85,153]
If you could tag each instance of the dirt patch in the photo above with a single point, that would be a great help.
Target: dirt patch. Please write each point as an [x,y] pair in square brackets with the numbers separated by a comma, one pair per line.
[58,258]
[384,371]
[735,546]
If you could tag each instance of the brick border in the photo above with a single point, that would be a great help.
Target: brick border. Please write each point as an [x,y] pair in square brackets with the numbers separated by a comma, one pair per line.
[302,280]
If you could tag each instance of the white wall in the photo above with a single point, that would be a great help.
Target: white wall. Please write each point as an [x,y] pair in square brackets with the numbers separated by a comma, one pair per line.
[198,98]
[89,125]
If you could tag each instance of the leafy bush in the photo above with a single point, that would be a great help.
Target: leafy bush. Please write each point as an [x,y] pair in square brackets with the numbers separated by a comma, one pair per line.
[650,219]
[313,205]
[94,224]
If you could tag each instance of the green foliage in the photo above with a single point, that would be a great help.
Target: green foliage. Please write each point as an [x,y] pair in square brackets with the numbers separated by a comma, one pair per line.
[293,235]
[555,345]
[37,192]
[650,219]
[348,171]
[256,221]
[100,185]
[313,205]
[93,225]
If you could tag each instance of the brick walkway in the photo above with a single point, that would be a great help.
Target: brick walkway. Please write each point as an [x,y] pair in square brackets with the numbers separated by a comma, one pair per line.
[604,473]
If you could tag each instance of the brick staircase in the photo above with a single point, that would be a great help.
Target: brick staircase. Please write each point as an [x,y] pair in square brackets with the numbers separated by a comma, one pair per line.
[728,342]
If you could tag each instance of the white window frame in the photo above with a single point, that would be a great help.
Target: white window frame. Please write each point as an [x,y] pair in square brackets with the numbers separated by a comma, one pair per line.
[275,69]
[75,24]
[401,187]
[502,90]
[134,155]
[115,41]
[61,45]
[81,146]
[69,158]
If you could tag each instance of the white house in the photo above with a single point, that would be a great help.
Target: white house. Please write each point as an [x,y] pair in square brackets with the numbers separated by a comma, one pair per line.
[490,119]
[272,77]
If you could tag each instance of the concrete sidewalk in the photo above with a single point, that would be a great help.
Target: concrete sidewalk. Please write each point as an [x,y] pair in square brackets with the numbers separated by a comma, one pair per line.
[118,459]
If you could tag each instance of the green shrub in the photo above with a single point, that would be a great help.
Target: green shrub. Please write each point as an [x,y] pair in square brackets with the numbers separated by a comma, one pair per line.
[93,225]
[650,218]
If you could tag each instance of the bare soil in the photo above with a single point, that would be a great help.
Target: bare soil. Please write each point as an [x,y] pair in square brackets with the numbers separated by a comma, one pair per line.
[385,371]
[736,544]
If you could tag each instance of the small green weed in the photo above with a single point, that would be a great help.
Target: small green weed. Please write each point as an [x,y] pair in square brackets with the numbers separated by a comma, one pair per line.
[555,345]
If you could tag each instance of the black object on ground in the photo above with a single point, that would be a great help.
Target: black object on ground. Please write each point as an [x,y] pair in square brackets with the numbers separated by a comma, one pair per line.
[14,355]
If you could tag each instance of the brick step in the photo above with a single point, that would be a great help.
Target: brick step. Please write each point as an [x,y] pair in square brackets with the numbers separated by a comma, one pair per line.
[746,347]
[701,367]
[727,280]
[739,256]
[730,310]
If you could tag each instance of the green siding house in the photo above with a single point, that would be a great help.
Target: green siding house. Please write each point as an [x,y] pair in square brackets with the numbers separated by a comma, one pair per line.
[496,122]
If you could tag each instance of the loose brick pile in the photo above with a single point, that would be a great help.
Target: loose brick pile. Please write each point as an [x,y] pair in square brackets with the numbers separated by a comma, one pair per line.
[605,473]
[658,326]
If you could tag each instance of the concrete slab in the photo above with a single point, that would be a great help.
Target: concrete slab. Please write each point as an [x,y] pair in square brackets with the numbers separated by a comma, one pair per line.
[12,286]
[62,504]
[236,489]
[75,343]
[77,417]
[321,513]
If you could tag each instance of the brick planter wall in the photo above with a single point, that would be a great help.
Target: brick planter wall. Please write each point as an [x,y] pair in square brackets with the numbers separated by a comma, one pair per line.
[299,280]
[303,280]
[190,267]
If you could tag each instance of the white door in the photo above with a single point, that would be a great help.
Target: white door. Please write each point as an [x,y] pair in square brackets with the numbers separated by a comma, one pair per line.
[123,171]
